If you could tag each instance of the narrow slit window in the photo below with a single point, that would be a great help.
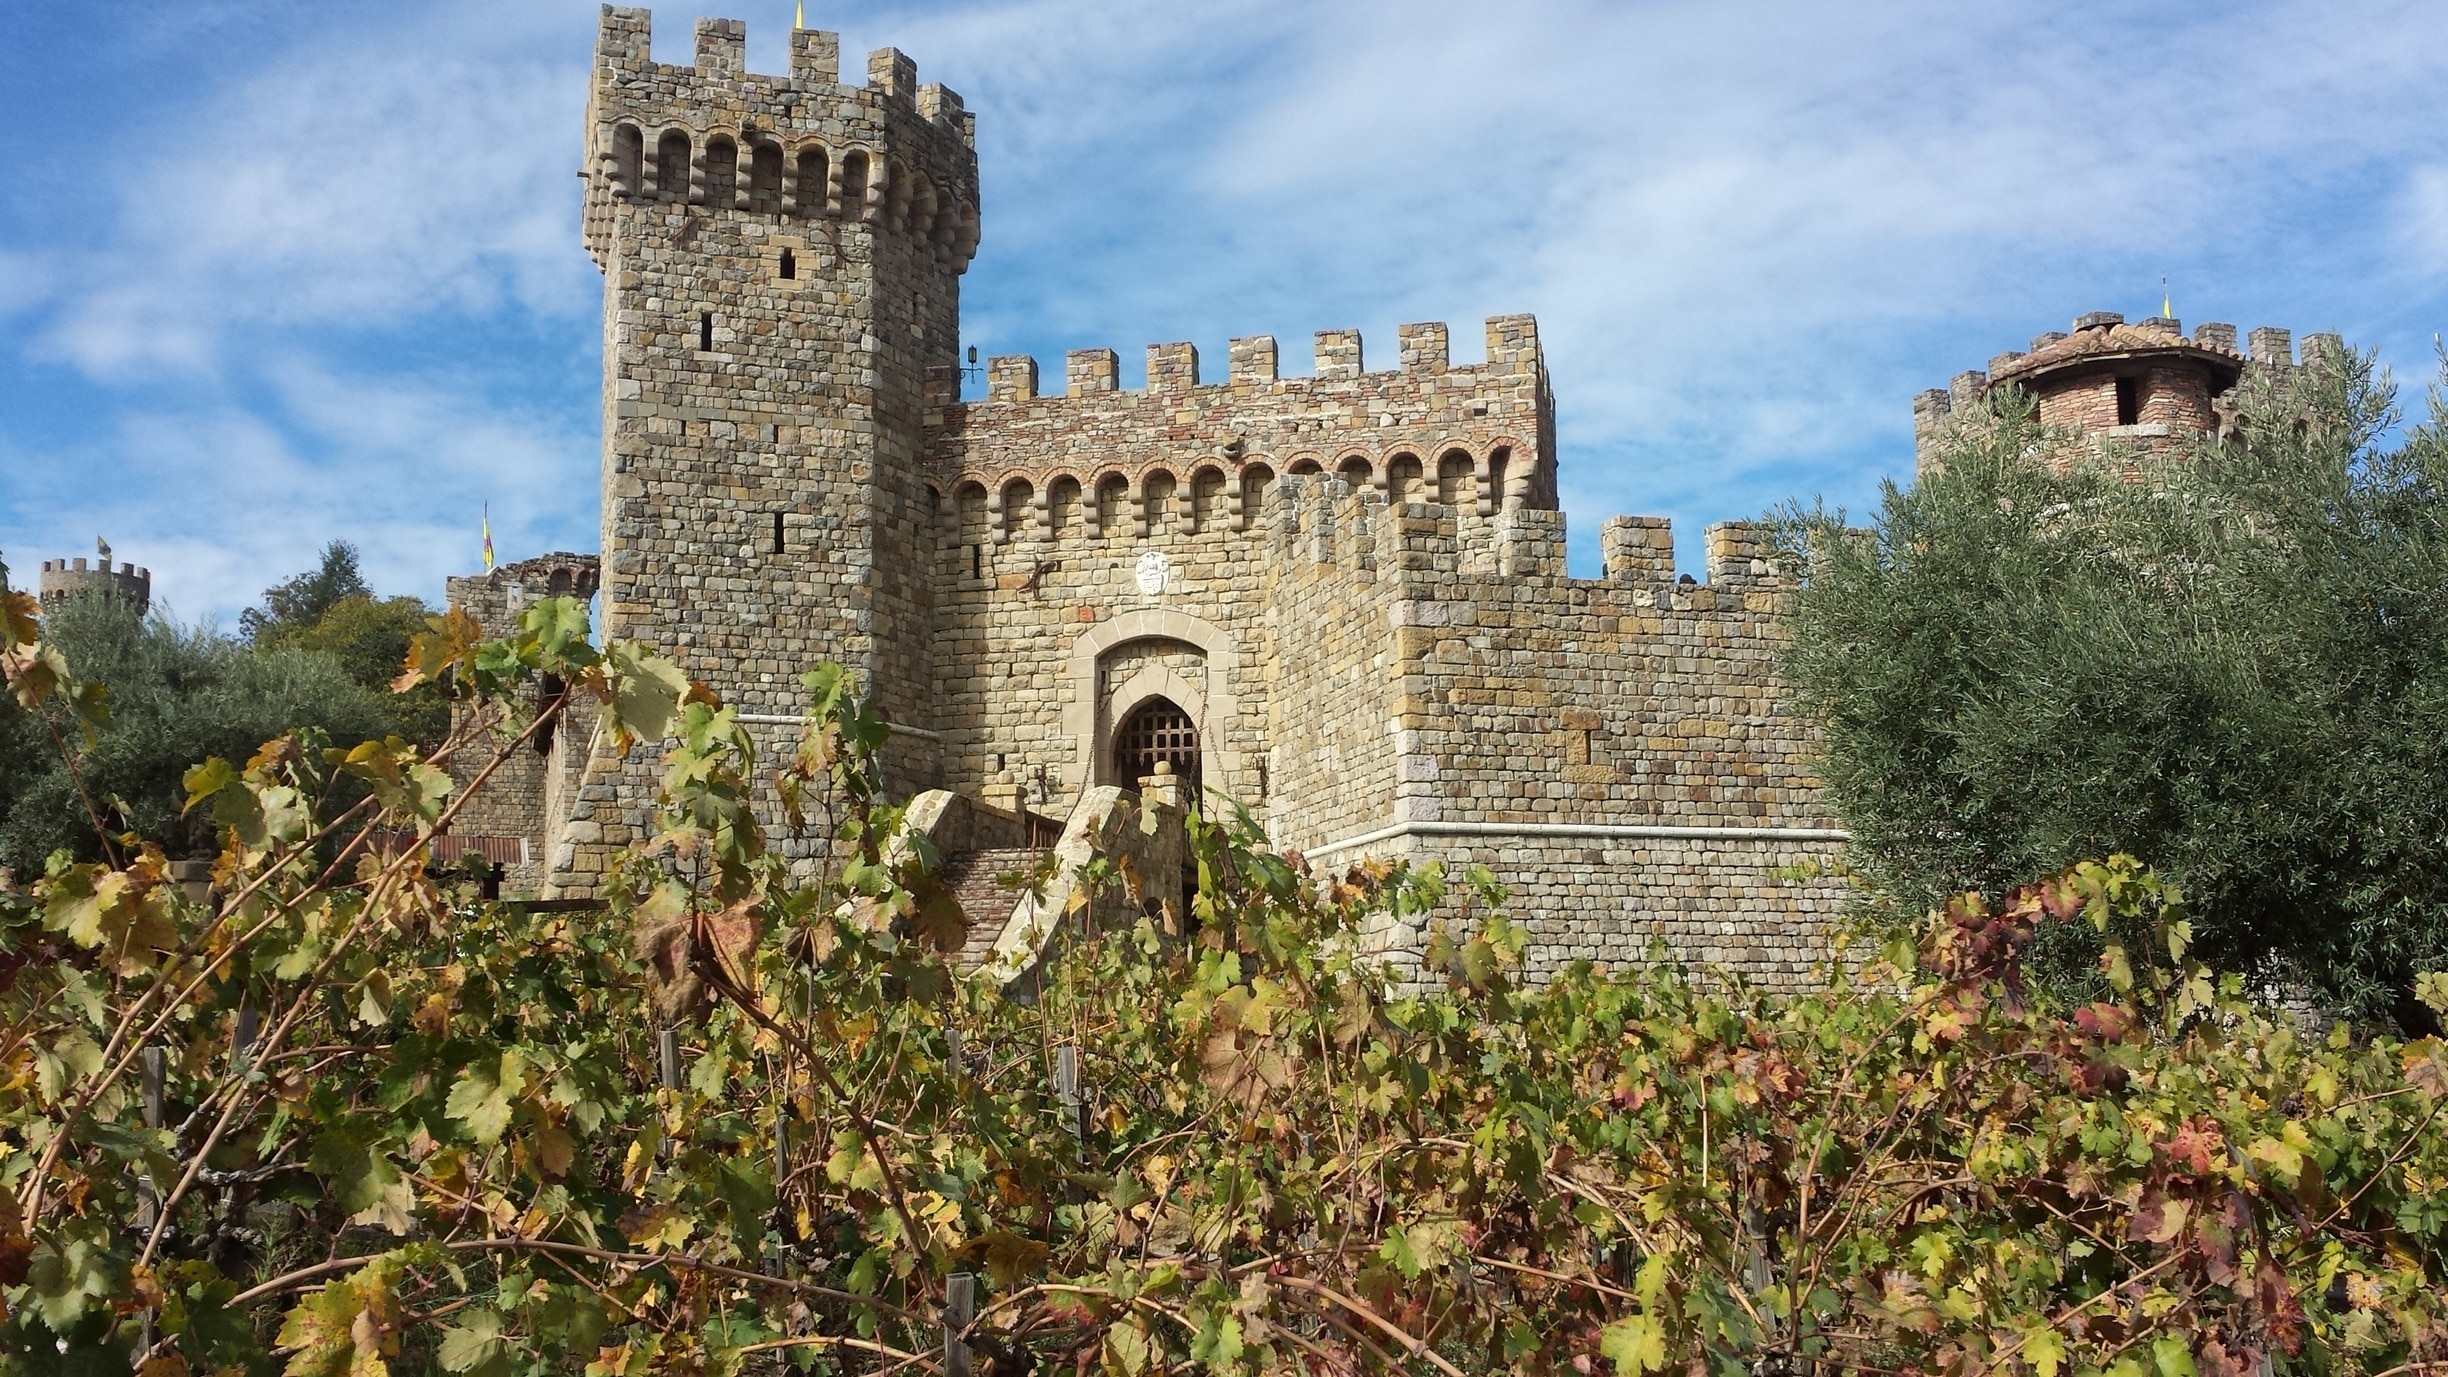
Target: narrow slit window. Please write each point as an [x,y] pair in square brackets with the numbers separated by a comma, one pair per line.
[790,266]
[777,534]
[705,331]
[2129,401]
[977,561]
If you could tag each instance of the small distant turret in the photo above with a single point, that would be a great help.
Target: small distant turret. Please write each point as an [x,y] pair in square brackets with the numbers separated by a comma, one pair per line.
[2146,383]
[64,579]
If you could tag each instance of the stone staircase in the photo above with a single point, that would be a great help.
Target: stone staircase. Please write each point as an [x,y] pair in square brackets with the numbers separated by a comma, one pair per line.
[974,879]
[1009,929]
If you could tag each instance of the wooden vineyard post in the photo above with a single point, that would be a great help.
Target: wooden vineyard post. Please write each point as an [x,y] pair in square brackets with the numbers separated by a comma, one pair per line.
[960,1308]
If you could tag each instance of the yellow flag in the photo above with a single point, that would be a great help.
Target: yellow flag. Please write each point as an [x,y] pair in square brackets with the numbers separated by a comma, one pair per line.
[799,21]
[488,537]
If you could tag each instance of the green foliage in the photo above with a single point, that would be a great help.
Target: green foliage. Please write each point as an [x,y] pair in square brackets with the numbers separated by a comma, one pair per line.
[320,657]
[298,604]
[442,1139]
[2235,667]
[176,696]
[368,637]
[329,610]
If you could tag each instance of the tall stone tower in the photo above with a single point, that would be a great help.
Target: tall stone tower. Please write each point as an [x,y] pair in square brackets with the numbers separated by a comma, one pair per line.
[782,260]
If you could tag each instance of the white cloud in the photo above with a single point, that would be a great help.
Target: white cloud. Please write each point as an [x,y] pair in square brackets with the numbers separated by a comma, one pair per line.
[367,177]
[2423,220]
[24,281]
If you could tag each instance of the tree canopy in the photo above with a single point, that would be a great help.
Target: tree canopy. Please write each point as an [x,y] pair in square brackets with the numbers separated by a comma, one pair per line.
[176,695]
[297,604]
[330,610]
[2234,667]
[319,657]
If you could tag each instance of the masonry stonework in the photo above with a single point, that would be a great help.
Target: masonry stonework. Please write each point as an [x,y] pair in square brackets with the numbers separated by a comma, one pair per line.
[526,791]
[64,579]
[1343,593]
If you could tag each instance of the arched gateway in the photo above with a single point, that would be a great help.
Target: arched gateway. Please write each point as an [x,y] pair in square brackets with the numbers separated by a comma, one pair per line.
[1157,730]
[1106,697]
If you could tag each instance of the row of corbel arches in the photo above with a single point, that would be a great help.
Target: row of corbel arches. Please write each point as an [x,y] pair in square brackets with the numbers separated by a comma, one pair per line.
[1210,496]
[808,182]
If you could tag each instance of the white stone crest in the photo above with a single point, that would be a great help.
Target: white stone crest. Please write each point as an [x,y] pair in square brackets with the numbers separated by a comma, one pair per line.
[1153,569]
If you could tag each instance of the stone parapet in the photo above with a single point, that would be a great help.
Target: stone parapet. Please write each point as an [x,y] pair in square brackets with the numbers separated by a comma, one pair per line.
[63,580]
[1615,749]
[1416,431]
[798,149]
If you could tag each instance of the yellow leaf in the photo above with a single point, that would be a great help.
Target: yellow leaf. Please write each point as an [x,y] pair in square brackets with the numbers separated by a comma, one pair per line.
[639,1164]
[662,1228]
[2282,1158]
[2044,1349]
[1635,1344]
[20,618]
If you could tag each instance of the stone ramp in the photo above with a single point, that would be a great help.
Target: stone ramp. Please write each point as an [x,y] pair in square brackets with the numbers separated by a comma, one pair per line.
[1009,929]
[973,878]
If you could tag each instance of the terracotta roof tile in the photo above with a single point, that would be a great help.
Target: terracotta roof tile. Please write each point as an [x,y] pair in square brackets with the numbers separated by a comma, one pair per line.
[2108,339]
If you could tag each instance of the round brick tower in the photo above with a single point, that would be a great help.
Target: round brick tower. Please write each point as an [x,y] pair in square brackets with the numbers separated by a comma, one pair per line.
[64,579]
[2145,380]
[2131,389]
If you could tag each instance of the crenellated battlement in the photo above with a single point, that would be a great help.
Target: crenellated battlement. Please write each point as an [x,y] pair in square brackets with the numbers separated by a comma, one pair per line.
[1318,520]
[1426,428]
[1512,352]
[891,157]
[64,579]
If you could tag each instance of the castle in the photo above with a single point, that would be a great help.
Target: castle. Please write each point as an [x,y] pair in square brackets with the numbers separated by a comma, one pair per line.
[63,579]
[1339,599]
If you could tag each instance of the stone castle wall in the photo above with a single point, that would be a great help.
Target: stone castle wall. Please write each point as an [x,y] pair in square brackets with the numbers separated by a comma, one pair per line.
[518,799]
[1123,456]
[1614,749]
[1353,582]
[1123,520]
[1335,755]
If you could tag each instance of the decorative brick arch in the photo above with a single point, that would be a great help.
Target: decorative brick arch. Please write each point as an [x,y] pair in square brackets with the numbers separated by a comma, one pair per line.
[1215,714]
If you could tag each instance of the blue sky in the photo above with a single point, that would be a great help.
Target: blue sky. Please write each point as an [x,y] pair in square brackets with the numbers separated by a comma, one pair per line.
[273,273]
